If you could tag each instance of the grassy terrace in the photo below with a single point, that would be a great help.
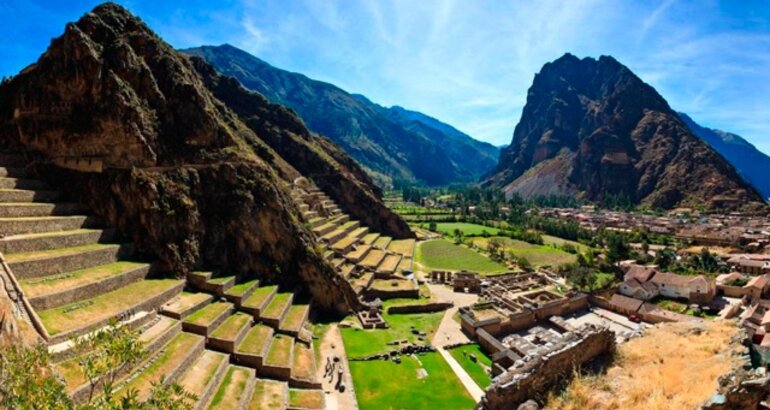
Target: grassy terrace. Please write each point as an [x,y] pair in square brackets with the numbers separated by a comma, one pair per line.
[221,279]
[306,399]
[258,298]
[29,256]
[83,313]
[370,238]
[537,255]
[200,374]
[363,281]
[268,394]
[72,373]
[277,305]
[390,263]
[468,229]
[478,369]
[406,263]
[232,388]
[232,326]
[373,258]
[187,300]
[57,283]
[344,242]
[241,288]
[444,255]
[207,314]
[360,342]
[384,385]
[304,361]
[280,351]
[172,355]
[295,317]
[359,252]
[382,241]
[403,246]
[255,340]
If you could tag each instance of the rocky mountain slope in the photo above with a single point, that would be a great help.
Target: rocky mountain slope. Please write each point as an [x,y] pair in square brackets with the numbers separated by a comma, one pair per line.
[750,162]
[127,125]
[593,129]
[394,143]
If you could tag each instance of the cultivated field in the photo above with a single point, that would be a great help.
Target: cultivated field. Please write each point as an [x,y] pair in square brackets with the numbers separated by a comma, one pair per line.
[444,255]
[448,228]
[537,255]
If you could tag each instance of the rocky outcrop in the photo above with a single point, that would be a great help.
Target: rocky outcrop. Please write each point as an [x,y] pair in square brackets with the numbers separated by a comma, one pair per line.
[619,138]
[173,168]
[392,143]
[315,157]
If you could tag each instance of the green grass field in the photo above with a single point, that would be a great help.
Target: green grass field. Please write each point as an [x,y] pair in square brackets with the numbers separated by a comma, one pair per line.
[385,385]
[448,228]
[477,370]
[444,255]
[537,255]
[556,241]
[361,342]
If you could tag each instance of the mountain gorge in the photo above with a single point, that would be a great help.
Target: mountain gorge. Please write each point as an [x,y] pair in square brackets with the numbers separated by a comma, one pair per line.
[750,162]
[120,121]
[593,129]
[392,143]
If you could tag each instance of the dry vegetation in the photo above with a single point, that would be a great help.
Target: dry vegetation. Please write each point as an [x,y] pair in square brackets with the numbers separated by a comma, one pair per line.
[674,366]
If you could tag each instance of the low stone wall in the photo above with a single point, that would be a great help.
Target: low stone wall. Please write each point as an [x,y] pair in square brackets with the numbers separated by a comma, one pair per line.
[254,360]
[205,330]
[393,294]
[420,308]
[227,345]
[533,378]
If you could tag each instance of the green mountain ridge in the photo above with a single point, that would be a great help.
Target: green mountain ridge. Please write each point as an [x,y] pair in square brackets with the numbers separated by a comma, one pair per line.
[391,143]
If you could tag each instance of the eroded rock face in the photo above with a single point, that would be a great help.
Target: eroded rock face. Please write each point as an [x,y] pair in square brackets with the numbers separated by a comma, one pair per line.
[623,137]
[183,177]
[315,157]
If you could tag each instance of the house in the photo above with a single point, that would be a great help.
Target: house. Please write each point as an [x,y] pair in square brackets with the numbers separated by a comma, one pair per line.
[638,290]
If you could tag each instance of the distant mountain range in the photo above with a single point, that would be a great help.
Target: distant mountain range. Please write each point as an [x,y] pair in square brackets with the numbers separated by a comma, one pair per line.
[391,143]
[594,130]
[750,162]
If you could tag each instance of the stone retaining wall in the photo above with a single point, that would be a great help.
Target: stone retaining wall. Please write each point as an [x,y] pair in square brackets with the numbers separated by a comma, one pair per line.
[420,308]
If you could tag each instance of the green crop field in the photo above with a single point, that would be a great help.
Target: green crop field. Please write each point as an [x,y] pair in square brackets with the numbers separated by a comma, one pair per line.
[556,241]
[537,255]
[448,228]
[478,369]
[385,385]
[444,255]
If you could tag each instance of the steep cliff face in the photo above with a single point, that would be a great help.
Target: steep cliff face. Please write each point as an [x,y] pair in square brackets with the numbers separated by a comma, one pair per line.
[315,157]
[182,175]
[394,143]
[594,129]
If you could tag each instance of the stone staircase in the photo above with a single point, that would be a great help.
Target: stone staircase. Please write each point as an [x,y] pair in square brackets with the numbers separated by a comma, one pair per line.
[366,259]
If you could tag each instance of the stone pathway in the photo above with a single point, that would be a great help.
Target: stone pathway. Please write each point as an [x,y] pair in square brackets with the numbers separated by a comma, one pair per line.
[333,398]
[473,389]
[449,331]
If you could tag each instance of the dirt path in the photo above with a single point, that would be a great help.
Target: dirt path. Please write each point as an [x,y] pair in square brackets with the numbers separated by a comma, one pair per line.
[331,345]
[449,331]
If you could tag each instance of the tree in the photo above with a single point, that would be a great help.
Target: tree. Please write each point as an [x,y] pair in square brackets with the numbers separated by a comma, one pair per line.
[582,278]
[432,227]
[665,258]
[458,236]
[28,382]
[617,249]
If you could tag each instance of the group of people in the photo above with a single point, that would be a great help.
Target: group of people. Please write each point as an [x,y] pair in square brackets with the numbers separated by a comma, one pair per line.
[331,365]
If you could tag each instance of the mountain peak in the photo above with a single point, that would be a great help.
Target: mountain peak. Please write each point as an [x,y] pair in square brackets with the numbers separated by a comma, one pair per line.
[592,128]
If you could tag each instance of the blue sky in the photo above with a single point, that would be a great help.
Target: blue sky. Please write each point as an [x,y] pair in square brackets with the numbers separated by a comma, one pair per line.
[468,63]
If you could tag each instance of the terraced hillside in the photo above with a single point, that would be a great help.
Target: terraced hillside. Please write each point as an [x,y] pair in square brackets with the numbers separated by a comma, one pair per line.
[374,264]
[212,338]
